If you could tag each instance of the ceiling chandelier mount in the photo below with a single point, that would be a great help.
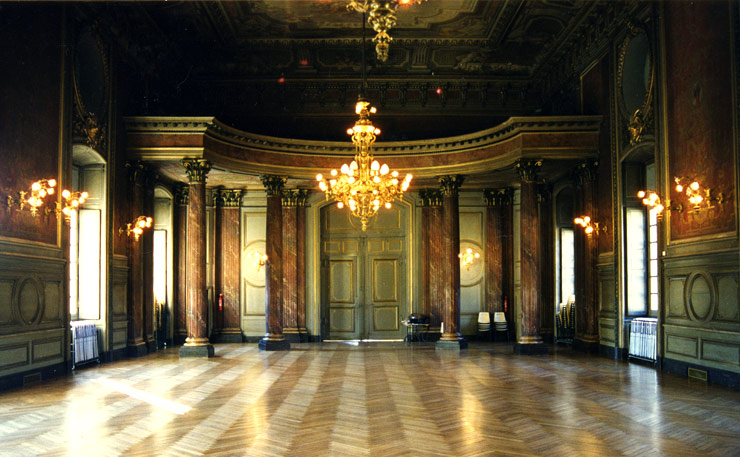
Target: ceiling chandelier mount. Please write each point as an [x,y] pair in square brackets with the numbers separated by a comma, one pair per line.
[363,185]
[381,15]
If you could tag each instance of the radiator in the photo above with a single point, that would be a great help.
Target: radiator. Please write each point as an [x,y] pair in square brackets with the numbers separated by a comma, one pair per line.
[643,333]
[84,342]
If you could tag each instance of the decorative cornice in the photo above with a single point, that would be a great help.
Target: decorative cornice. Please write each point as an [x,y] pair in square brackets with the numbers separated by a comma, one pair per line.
[528,169]
[450,185]
[478,140]
[197,169]
[430,197]
[499,197]
[182,194]
[273,184]
[295,198]
[227,198]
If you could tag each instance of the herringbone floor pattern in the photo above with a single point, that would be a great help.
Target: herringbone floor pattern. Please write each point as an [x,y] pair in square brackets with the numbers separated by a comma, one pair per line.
[374,399]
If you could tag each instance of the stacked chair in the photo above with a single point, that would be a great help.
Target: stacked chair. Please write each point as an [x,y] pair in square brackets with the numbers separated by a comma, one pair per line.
[484,323]
[499,321]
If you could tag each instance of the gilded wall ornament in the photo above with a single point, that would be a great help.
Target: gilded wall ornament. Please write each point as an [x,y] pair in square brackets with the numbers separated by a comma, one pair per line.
[273,184]
[197,169]
[635,82]
[528,169]
[450,185]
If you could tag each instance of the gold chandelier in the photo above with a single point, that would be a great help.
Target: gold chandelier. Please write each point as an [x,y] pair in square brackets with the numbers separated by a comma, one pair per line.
[364,185]
[382,17]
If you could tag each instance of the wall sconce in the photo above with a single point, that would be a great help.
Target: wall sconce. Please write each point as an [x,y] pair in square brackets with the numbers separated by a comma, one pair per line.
[72,201]
[588,227]
[467,258]
[652,200]
[259,258]
[137,227]
[694,191]
[39,190]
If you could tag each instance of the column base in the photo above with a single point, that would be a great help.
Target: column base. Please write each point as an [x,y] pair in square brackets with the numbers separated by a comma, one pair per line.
[136,349]
[205,350]
[296,335]
[530,349]
[453,345]
[228,336]
[266,344]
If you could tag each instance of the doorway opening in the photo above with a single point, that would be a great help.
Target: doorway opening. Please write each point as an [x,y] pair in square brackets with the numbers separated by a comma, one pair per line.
[364,275]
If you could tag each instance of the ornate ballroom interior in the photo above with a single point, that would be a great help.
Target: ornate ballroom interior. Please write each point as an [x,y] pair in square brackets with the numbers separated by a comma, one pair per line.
[179,182]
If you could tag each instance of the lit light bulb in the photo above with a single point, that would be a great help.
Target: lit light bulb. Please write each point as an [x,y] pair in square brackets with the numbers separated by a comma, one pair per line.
[340,205]
[345,169]
[36,186]
[52,183]
[334,172]
[353,165]
[375,166]
[388,205]
[694,185]
[65,193]
[376,179]
[319,177]
[384,170]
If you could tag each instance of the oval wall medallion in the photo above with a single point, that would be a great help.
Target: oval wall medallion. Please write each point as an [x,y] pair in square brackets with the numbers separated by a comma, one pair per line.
[29,300]
[699,296]
[473,273]
[252,271]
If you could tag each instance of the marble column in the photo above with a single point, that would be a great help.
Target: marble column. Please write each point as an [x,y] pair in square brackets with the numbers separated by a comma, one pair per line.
[228,266]
[294,265]
[586,336]
[197,343]
[136,345]
[180,228]
[507,252]
[431,255]
[451,338]
[147,244]
[529,340]
[547,263]
[498,220]
[274,339]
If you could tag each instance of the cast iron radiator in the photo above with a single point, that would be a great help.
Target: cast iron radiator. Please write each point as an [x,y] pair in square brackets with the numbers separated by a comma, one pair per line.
[643,331]
[84,342]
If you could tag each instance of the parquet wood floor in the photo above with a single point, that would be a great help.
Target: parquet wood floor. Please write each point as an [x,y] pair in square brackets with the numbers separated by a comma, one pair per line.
[376,399]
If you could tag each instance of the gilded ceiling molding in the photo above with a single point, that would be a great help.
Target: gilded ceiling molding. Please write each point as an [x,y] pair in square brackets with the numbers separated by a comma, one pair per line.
[197,169]
[173,139]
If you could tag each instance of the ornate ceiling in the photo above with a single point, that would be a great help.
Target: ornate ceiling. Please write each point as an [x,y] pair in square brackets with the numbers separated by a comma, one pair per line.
[291,68]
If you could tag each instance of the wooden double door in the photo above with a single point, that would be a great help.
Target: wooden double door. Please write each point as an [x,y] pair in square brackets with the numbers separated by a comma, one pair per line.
[364,275]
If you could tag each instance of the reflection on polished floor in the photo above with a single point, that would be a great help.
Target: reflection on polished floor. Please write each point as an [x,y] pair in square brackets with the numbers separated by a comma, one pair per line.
[377,399]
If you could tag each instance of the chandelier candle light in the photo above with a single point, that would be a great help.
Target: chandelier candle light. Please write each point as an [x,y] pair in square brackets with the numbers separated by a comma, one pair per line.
[364,185]
[467,257]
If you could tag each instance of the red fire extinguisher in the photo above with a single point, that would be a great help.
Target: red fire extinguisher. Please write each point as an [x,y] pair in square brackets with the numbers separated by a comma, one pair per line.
[220,302]
[506,305]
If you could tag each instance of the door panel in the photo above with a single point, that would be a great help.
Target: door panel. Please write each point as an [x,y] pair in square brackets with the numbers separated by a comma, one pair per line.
[342,297]
[385,284]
